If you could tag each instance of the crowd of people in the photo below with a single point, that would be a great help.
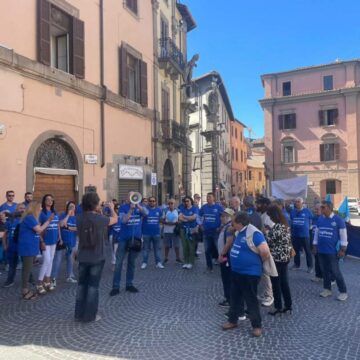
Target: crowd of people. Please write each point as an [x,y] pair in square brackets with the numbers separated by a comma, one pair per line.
[252,241]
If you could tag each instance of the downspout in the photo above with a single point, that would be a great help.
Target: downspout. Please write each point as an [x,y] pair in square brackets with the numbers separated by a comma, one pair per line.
[155,97]
[102,85]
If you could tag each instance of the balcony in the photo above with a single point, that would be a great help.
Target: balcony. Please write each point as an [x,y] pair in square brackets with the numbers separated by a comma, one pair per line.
[173,133]
[170,57]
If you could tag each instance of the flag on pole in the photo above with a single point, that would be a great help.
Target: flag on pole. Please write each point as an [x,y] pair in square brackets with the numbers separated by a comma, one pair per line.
[344,210]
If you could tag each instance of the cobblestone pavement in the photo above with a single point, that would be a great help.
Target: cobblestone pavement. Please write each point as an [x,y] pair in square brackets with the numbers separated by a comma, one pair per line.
[175,316]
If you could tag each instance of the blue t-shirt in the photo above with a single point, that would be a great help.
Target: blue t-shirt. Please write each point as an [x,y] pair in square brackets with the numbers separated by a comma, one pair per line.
[115,230]
[11,226]
[79,209]
[301,222]
[211,217]
[151,222]
[132,228]
[243,260]
[51,233]
[29,240]
[68,236]
[328,233]
[189,212]
[8,208]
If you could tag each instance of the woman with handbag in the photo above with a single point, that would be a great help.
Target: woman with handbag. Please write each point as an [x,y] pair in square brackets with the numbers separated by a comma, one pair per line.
[29,243]
[279,240]
[246,270]
[187,217]
[51,237]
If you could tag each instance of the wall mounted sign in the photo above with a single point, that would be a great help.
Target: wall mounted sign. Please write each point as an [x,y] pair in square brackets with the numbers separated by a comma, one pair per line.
[131,172]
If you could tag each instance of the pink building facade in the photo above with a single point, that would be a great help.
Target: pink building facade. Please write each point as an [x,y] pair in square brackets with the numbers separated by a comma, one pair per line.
[312,127]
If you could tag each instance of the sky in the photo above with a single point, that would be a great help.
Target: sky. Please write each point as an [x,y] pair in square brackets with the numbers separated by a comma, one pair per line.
[244,39]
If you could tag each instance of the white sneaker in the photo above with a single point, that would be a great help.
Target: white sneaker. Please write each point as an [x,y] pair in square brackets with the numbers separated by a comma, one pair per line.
[185,266]
[316,279]
[143,266]
[159,265]
[242,318]
[189,266]
[198,252]
[325,293]
[53,283]
[97,317]
[333,283]
[71,280]
[342,296]
[267,301]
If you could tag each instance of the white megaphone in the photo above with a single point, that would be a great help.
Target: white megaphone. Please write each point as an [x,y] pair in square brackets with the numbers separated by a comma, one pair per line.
[135,197]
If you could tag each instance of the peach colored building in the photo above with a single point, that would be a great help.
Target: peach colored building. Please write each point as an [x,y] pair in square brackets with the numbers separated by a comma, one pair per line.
[238,158]
[76,97]
[312,127]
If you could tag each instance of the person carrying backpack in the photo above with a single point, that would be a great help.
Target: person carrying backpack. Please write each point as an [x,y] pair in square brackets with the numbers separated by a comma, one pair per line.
[92,229]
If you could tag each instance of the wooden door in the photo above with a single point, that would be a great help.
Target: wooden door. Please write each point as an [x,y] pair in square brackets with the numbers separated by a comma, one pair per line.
[61,187]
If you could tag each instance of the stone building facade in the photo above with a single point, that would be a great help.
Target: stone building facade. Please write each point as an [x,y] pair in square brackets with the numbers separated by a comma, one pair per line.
[210,126]
[312,127]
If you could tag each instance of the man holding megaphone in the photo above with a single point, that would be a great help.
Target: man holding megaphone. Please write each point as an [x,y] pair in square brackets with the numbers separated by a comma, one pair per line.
[131,214]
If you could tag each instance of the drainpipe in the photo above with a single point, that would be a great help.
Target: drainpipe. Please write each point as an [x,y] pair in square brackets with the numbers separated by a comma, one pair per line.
[103,87]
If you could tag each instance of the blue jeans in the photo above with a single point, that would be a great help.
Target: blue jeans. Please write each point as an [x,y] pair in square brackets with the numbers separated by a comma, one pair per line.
[329,264]
[155,241]
[210,243]
[57,263]
[87,295]
[130,271]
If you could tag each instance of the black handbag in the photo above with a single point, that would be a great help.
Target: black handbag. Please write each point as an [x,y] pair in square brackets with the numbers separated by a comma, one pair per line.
[135,245]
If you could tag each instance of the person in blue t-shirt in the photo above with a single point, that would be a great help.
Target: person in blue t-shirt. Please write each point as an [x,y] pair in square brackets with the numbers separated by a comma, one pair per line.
[9,205]
[187,218]
[51,237]
[246,267]
[151,234]
[317,214]
[131,230]
[210,215]
[114,238]
[12,244]
[330,242]
[29,242]
[28,198]
[301,220]
[67,223]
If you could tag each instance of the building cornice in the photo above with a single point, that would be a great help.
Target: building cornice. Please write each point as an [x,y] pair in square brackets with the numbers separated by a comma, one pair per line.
[316,95]
[51,76]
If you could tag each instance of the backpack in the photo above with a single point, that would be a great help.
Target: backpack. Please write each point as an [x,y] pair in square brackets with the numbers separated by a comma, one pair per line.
[16,233]
[87,235]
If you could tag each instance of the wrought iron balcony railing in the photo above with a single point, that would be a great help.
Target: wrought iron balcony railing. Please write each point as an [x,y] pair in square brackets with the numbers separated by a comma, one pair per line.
[170,54]
[173,132]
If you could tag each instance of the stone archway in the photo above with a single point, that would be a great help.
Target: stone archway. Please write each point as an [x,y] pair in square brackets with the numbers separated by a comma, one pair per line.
[168,176]
[54,165]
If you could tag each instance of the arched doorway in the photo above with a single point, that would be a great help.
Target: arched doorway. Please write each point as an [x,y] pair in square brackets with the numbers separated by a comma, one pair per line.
[168,177]
[55,172]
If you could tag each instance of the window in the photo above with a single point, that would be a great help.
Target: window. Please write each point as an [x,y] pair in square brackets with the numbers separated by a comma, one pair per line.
[235,133]
[241,136]
[237,177]
[286,88]
[232,153]
[287,121]
[164,28]
[60,39]
[242,156]
[288,154]
[132,5]
[241,178]
[328,82]
[133,76]
[237,155]
[232,130]
[330,186]
[165,104]
[328,117]
[329,152]
[250,174]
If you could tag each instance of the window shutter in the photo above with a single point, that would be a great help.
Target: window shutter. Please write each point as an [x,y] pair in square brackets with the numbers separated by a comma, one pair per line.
[143,84]
[321,118]
[43,32]
[124,80]
[336,116]
[281,122]
[78,48]
[293,121]
[337,151]
[322,152]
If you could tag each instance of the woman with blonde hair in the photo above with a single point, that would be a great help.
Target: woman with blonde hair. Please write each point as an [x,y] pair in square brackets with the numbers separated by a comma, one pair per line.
[29,243]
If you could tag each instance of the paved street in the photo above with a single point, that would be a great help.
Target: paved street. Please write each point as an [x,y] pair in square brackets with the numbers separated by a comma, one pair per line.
[176,316]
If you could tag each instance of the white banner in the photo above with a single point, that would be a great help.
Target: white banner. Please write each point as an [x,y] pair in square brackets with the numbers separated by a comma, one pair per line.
[289,189]
[131,172]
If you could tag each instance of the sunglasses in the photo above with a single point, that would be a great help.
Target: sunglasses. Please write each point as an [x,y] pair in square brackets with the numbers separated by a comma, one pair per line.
[151,200]
[10,195]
